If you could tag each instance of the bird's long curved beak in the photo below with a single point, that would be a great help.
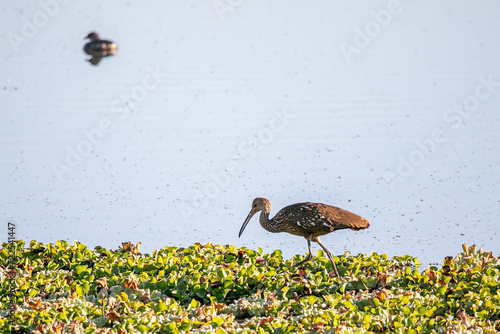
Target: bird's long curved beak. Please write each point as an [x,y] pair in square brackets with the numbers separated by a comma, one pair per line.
[245,223]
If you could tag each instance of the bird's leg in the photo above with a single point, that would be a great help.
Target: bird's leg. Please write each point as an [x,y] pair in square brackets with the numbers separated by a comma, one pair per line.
[308,258]
[329,256]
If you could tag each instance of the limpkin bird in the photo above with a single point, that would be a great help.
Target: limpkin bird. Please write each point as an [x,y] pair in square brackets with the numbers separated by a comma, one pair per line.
[309,220]
[98,48]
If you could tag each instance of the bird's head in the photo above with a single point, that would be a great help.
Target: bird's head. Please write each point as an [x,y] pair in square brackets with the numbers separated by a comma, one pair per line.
[93,36]
[258,204]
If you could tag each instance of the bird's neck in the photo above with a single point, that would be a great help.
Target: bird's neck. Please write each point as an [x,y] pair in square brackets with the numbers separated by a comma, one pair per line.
[266,222]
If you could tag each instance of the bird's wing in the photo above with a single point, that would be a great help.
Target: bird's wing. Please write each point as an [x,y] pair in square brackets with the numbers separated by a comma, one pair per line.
[340,219]
[317,218]
[302,219]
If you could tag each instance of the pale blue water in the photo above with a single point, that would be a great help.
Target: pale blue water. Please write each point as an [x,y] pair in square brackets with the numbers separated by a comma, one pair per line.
[206,107]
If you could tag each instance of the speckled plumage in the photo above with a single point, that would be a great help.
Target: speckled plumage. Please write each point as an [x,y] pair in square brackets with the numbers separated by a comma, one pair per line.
[309,220]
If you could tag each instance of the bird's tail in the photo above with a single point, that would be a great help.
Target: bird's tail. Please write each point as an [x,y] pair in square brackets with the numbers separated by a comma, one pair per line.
[360,224]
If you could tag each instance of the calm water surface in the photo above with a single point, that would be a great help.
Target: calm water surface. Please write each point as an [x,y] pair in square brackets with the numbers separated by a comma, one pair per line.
[200,111]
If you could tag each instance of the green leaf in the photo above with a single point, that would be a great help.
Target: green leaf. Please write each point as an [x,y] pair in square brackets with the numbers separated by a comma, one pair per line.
[350,305]
[80,269]
[217,322]
[161,307]
[429,313]
[194,304]
[201,293]
[421,310]
[185,325]
[122,296]
[221,273]
[33,293]
[61,244]
[442,289]
[79,290]
[62,315]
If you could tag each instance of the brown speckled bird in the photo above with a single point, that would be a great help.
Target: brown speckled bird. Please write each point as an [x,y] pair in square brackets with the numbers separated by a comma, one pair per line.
[309,220]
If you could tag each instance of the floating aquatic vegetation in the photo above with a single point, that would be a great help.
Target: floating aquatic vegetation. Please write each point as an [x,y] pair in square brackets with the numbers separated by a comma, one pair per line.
[66,288]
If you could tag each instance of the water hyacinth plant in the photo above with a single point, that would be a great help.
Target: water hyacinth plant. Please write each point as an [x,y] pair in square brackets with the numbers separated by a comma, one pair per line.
[68,288]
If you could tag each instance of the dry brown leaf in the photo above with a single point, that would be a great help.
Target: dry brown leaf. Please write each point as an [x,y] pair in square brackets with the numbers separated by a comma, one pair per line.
[271,297]
[465,318]
[113,317]
[265,321]
[12,273]
[432,275]
[130,284]
[381,280]
[102,282]
[484,263]
[259,259]
[146,298]
[218,306]
[317,326]
[382,295]
[39,328]
[129,247]
[35,304]
[448,261]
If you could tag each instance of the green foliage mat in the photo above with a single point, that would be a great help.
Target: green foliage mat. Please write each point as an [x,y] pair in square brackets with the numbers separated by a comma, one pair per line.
[68,288]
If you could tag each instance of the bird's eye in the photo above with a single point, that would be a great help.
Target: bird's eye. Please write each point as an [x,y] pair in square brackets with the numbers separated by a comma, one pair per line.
[255,205]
